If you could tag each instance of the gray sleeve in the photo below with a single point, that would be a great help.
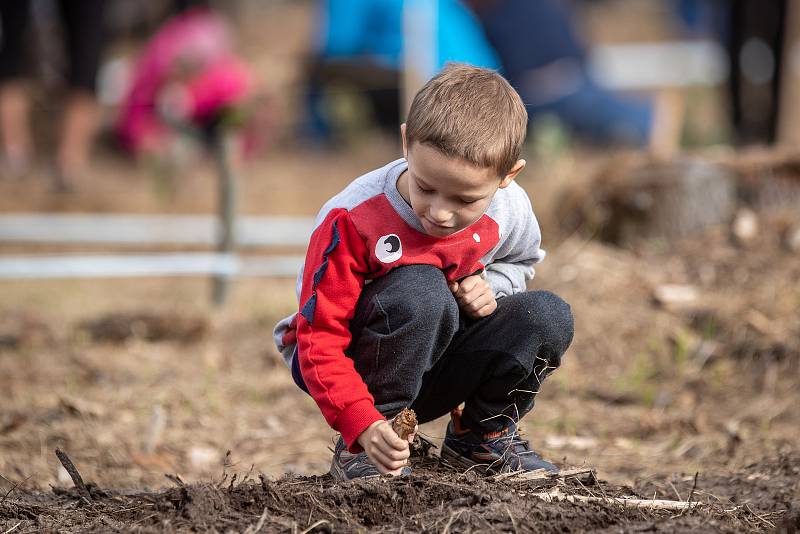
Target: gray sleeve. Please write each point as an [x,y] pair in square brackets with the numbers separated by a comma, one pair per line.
[510,265]
[508,278]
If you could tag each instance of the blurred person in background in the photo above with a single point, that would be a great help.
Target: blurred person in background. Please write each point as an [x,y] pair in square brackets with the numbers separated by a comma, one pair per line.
[545,60]
[359,45]
[82,28]
[533,44]
[753,33]
[186,77]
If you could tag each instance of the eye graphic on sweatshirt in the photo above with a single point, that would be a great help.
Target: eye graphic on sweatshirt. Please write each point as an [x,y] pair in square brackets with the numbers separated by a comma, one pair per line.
[388,248]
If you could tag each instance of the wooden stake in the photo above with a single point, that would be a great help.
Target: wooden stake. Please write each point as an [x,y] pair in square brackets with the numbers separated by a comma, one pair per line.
[221,152]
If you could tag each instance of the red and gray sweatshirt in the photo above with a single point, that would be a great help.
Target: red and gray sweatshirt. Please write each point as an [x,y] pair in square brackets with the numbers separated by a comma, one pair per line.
[363,233]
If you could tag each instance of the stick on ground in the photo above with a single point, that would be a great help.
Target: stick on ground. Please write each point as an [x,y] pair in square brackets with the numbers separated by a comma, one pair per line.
[653,504]
[73,474]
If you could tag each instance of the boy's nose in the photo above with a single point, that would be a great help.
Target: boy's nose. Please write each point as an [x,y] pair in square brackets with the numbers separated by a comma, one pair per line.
[439,213]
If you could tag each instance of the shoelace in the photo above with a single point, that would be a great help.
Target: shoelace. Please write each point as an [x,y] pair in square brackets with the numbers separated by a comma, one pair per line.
[517,445]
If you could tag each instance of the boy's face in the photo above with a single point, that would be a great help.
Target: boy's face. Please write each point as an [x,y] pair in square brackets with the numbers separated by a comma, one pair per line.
[447,194]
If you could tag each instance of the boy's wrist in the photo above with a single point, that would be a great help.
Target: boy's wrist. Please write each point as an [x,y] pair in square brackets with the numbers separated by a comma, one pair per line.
[354,419]
[361,439]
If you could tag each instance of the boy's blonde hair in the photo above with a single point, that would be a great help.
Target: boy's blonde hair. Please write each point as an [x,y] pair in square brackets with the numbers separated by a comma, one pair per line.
[470,113]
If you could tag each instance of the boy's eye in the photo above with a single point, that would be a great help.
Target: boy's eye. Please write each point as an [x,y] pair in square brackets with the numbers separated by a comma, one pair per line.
[423,190]
[469,201]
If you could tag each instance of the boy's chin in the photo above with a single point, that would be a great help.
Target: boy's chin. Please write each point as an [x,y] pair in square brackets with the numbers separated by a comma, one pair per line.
[438,231]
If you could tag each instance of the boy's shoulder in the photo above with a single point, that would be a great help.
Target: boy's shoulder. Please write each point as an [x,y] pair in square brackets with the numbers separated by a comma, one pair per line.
[364,187]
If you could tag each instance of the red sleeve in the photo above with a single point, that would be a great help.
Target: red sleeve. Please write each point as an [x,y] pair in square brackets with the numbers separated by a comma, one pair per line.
[336,264]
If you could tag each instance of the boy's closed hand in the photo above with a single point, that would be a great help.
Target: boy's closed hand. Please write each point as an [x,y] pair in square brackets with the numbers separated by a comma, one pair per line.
[384,448]
[474,296]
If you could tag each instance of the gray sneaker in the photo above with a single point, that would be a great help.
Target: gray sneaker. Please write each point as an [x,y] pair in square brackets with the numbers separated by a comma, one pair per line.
[348,466]
[496,452]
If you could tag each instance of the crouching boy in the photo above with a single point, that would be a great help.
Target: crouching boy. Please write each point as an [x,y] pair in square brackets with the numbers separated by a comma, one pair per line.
[413,290]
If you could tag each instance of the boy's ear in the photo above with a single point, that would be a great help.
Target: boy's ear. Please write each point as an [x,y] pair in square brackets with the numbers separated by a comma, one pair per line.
[515,170]
[403,136]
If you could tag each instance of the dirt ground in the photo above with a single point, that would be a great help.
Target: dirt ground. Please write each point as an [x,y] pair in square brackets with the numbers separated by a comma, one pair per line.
[433,499]
[137,379]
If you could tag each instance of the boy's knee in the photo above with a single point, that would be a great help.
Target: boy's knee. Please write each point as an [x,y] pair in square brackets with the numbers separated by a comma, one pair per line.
[550,316]
[423,295]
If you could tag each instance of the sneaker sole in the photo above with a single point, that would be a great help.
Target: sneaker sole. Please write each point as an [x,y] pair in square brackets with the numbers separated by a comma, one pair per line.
[457,460]
[454,458]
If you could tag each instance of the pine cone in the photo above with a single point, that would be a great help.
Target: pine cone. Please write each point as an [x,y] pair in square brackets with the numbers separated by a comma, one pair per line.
[404,423]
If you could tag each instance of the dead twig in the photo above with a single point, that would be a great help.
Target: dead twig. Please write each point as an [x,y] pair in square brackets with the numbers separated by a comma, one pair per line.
[321,507]
[675,490]
[541,474]
[513,522]
[691,493]
[130,508]
[12,529]
[485,521]
[73,474]
[175,479]
[453,517]
[7,494]
[654,504]
[701,492]
[316,525]
[14,485]
[510,474]
[770,523]
[587,490]
[145,518]
[254,529]
[694,487]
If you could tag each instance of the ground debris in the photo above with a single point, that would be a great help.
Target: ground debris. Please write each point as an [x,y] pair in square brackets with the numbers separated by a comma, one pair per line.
[433,498]
[147,325]
[20,329]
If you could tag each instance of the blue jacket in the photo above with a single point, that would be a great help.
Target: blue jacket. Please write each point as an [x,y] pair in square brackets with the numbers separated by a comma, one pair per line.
[373,29]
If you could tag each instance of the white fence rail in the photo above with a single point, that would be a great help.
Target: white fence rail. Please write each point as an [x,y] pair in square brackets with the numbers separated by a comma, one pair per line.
[133,229]
[148,230]
[145,265]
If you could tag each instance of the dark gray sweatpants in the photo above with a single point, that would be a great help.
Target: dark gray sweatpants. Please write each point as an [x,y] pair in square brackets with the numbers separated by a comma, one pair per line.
[413,347]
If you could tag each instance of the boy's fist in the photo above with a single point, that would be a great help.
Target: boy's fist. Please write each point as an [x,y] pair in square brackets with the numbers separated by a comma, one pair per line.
[474,296]
[384,448]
